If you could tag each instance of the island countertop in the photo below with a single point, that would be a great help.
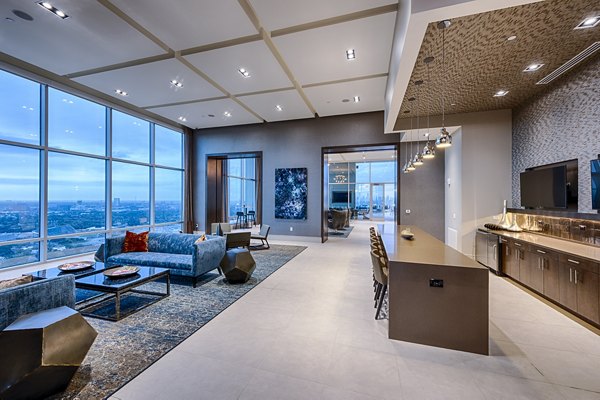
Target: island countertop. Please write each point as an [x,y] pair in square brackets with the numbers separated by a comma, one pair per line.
[423,248]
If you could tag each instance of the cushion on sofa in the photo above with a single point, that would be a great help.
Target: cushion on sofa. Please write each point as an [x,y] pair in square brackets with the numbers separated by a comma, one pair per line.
[135,242]
[152,259]
[21,280]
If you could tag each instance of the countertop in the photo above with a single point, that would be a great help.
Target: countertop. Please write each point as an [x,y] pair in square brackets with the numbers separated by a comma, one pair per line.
[591,253]
[422,249]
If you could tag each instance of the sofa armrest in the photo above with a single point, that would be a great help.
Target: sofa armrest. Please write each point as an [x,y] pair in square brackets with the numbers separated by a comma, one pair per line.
[112,246]
[208,255]
[36,296]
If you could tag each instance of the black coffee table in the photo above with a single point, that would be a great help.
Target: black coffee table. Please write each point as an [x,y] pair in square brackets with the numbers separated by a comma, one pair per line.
[54,272]
[118,286]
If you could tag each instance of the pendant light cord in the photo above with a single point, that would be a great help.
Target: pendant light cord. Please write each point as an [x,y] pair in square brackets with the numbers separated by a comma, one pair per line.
[418,116]
[444,76]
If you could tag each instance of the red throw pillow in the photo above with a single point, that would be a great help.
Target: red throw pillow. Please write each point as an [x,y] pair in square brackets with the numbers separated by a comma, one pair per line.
[135,242]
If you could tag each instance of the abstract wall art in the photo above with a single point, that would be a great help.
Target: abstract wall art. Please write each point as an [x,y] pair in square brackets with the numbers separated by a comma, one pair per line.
[291,193]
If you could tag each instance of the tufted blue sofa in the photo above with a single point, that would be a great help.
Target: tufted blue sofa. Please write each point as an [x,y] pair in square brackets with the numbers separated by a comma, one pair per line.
[39,295]
[176,251]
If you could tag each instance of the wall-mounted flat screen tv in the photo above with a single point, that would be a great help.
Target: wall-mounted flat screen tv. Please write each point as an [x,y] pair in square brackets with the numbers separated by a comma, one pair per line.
[341,197]
[544,188]
[595,173]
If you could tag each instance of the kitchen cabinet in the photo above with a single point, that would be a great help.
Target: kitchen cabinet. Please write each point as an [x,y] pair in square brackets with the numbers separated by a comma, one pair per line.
[543,270]
[510,258]
[579,286]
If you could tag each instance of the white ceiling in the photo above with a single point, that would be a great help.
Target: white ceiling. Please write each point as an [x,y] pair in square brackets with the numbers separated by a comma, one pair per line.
[141,45]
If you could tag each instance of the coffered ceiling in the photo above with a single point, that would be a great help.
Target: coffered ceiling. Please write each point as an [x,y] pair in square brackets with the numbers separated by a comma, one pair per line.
[294,52]
[480,60]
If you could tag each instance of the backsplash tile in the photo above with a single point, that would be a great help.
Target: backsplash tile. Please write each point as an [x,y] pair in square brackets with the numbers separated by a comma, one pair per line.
[575,229]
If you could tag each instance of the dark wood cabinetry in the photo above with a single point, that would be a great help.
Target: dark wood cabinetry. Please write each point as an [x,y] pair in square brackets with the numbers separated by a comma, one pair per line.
[579,288]
[571,281]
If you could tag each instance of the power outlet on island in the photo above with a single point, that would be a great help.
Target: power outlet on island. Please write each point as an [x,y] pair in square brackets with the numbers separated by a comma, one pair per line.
[291,229]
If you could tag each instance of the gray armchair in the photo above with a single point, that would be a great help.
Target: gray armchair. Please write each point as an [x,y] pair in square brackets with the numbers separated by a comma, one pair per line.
[263,236]
[338,219]
[38,295]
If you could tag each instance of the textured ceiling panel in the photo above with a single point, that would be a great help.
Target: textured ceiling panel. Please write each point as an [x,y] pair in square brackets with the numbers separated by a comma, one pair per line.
[480,60]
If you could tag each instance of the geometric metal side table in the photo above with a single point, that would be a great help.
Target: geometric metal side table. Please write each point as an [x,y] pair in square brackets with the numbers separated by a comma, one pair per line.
[238,265]
[42,351]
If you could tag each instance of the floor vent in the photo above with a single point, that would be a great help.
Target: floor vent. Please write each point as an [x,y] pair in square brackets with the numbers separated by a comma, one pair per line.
[570,64]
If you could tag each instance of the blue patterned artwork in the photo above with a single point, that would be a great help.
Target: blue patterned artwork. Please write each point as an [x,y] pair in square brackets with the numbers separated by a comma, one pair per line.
[290,193]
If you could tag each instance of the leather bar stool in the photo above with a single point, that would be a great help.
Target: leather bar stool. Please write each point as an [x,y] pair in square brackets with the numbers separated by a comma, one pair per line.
[380,272]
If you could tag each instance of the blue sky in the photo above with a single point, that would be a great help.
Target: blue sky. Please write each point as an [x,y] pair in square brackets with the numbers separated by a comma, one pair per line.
[79,125]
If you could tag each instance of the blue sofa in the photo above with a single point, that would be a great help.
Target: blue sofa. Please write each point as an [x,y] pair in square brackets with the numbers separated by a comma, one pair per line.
[36,296]
[176,251]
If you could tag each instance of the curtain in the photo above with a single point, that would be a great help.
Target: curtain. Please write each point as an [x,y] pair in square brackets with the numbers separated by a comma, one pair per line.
[188,200]
[258,191]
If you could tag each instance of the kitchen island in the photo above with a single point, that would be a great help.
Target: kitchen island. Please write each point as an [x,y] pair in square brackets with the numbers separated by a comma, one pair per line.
[437,295]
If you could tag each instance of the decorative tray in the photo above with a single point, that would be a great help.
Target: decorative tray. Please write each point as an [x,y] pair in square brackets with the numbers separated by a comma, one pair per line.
[76,266]
[119,272]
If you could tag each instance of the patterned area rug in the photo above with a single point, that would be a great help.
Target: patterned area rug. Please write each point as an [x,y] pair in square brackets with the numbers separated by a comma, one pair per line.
[125,348]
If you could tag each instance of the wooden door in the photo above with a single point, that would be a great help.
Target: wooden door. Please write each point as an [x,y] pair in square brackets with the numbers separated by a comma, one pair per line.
[524,259]
[510,262]
[587,293]
[567,288]
[536,271]
[551,277]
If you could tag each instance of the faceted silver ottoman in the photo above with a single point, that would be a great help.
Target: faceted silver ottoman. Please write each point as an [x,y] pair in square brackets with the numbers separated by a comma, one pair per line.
[238,265]
[42,351]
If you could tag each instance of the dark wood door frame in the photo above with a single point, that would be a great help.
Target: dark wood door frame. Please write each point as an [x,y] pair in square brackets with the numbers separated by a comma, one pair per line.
[213,190]
[353,149]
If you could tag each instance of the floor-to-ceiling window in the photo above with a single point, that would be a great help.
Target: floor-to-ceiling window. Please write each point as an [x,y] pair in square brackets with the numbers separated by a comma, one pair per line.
[73,171]
[241,186]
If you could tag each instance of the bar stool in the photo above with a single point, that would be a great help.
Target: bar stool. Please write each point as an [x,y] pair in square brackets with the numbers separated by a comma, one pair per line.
[240,219]
[380,272]
[252,217]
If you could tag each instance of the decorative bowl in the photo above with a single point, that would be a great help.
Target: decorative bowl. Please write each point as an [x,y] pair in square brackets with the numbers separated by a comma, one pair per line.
[406,234]
[76,266]
[119,272]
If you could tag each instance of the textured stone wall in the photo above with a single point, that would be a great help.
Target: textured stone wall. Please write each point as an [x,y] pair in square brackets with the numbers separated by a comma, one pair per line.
[562,123]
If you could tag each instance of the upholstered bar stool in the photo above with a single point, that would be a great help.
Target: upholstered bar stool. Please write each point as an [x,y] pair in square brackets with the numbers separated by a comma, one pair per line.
[380,272]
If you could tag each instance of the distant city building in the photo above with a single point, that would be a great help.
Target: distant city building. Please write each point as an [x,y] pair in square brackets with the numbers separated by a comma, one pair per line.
[116,202]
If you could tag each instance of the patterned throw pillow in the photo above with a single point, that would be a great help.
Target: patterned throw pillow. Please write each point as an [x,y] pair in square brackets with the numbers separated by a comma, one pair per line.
[200,239]
[135,242]
[21,280]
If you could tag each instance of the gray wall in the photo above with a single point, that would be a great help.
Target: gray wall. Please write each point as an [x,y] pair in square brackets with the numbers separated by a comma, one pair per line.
[562,123]
[289,144]
[422,192]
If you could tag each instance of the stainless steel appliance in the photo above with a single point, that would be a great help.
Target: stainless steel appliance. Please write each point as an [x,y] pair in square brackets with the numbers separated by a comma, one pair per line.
[487,250]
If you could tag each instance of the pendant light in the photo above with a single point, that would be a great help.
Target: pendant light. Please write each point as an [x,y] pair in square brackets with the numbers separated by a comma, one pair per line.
[444,140]
[429,149]
[418,159]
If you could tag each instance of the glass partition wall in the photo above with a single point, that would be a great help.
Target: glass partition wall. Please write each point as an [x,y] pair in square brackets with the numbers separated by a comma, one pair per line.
[367,188]
[73,171]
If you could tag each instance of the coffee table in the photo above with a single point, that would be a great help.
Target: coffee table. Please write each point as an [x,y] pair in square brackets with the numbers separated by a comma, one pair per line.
[54,272]
[117,287]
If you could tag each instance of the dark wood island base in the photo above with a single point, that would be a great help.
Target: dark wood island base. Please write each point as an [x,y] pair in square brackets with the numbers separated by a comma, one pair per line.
[437,295]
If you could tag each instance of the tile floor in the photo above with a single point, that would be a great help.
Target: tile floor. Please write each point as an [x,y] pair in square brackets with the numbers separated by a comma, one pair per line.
[308,332]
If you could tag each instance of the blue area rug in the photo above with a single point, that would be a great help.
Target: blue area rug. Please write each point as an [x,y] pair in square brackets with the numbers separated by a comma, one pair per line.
[125,348]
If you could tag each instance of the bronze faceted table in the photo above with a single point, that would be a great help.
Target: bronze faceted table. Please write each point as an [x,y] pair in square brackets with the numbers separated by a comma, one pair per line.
[42,351]
[238,265]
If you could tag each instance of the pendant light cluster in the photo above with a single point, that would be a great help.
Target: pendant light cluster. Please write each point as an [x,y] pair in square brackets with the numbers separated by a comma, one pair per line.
[444,140]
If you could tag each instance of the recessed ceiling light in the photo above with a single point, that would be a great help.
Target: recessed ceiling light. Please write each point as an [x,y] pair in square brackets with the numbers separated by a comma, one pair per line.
[589,22]
[452,104]
[244,72]
[533,67]
[52,9]
[501,93]
[511,38]
[175,82]
[182,119]
[350,54]
[227,114]
[121,92]
[278,107]
[356,99]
